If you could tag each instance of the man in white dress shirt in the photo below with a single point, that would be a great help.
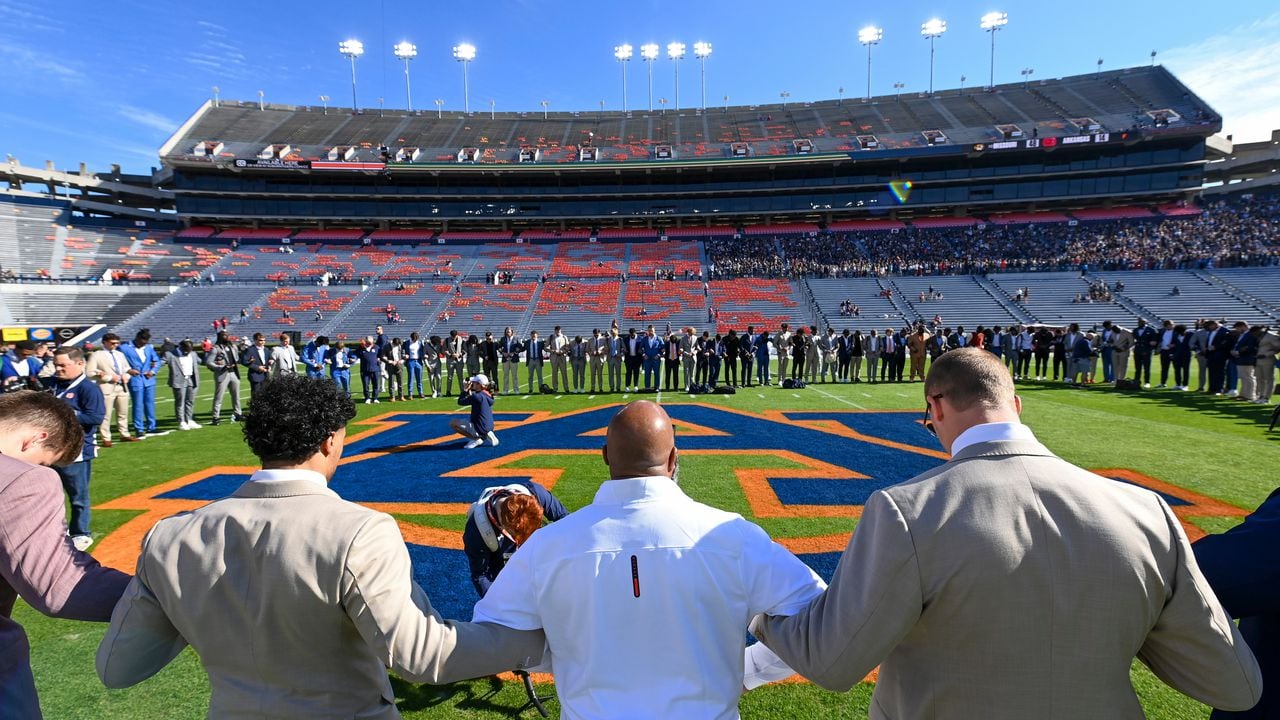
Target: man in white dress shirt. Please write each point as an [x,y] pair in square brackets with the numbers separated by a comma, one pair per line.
[645,595]
[108,368]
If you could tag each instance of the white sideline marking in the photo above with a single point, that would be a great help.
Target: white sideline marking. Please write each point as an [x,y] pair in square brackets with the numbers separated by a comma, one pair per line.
[866,394]
[759,395]
[840,399]
[526,397]
[795,395]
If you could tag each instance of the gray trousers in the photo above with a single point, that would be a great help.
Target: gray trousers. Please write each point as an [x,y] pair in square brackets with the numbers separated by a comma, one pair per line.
[579,366]
[615,373]
[559,369]
[225,381]
[454,369]
[535,367]
[184,404]
[597,373]
[511,376]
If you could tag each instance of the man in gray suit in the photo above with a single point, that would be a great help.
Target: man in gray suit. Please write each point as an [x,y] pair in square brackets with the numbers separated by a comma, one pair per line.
[37,560]
[1009,583]
[184,379]
[295,600]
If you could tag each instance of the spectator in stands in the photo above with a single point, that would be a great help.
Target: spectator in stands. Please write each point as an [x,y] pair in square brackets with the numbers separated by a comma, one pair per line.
[184,378]
[144,364]
[224,361]
[69,385]
[479,427]
[40,565]
[500,522]
[107,369]
[370,370]
[284,359]
[535,354]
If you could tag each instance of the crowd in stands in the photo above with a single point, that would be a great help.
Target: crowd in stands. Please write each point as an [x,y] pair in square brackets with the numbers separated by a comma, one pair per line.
[1233,233]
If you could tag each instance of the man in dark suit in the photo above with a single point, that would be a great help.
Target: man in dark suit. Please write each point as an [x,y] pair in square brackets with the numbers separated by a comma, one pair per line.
[535,352]
[258,359]
[370,369]
[1217,345]
[1242,568]
[489,360]
[1145,341]
[633,359]
[671,364]
[37,560]
[1244,353]
[747,352]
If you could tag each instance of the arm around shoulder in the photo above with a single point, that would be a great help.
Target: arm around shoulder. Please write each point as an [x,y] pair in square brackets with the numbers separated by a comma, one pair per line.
[141,640]
[395,617]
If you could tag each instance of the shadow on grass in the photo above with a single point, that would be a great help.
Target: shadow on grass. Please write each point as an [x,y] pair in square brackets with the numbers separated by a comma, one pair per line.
[471,695]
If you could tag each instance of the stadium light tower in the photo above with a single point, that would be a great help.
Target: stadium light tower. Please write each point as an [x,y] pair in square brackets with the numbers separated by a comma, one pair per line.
[261,105]
[623,53]
[407,51]
[544,104]
[352,49]
[869,36]
[992,22]
[897,90]
[1026,76]
[439,108]
[465,53]
[324,100]
[932,30]
[649,53]
[784,95]
[702,50]
[675,51]
[1099,70]
[216,91]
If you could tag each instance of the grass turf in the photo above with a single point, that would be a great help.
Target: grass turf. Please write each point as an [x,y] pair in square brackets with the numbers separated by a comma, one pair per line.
[1190,441]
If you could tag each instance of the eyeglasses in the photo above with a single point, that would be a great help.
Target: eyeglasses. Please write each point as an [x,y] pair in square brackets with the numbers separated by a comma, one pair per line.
[928,414]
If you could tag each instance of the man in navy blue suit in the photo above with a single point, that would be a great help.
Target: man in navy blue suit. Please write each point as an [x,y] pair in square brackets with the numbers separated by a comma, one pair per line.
[144,364]
[370,369]
[1242,567]
[1145,340]
[258,359]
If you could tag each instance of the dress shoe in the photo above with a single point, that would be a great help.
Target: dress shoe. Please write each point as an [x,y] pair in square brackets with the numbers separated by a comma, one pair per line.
[105,444]
[132,438]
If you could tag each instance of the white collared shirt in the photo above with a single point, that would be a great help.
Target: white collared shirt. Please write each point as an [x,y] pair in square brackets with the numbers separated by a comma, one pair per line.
[991,432]
[645,596]
[287,474]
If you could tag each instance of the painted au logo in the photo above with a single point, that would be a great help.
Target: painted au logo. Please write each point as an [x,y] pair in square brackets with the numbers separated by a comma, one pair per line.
[810,469]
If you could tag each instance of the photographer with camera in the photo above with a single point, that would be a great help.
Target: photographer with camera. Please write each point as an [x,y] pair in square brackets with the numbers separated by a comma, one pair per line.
[480,427]
[22,367]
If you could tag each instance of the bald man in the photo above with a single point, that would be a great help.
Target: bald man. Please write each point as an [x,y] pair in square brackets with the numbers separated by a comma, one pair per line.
[1009,583]
[644,594]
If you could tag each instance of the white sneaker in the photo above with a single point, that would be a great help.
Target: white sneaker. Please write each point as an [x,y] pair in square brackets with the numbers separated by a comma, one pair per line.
[194,425]
[1146,385]
[493,439]
[367,401]
[82,542]
[183,426]
[435,394]
[377,402]
[474,444]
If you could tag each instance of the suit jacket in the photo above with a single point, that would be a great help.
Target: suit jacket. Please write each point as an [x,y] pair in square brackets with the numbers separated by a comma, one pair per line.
[1246,349]
[254,357]
[1122,341]
[536,350]
[1268,346]
[1242,568]
[39,564]
[296,602]
[176,377]
[102,370]
[144,360]
[1143,337]
[1004,582]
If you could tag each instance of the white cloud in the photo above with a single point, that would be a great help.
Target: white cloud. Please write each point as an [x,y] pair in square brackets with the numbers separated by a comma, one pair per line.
[147,118]
[26,18]
[27,66]
[1238,73]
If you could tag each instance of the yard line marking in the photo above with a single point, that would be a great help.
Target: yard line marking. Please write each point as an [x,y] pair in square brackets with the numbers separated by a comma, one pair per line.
[835,397]
[866,394]
[591,397]
[759,394]
[560,396]
[526,397]
[795,395]
[902,395]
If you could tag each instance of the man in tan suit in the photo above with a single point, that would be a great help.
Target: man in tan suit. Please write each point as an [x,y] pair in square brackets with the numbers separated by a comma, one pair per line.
[1009,583]
[295,600]
[1122,343]
[37,560]
[109,369]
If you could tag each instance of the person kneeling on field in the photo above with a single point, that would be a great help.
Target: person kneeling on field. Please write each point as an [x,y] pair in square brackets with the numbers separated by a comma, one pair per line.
[480,427]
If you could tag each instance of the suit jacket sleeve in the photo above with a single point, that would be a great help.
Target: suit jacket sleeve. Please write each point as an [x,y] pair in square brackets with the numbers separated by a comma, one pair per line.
[1194,646]
[395,617]
[872,603]
[141,640]
[38,560]
[1239,566]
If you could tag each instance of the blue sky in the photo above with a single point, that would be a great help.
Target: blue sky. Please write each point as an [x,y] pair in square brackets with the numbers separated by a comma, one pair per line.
[109,81]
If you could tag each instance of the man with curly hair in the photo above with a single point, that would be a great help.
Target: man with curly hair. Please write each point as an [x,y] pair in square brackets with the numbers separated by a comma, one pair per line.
[295,600]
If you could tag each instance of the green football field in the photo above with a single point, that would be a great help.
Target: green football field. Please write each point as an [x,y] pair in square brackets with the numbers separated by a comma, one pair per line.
[1214,450]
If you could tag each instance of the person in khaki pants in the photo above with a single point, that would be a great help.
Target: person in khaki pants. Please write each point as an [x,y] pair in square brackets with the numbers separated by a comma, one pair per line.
[107,368]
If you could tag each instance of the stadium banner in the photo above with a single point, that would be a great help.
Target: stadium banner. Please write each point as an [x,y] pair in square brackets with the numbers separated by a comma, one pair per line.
[1047,142]
[273,164]
[327,165]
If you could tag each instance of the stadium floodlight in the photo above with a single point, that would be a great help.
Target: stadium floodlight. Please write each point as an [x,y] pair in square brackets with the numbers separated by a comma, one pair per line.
[897,90]
[352,49]
[649,53]
[932,30]
[1026,76]
[544,104]
[840,93]
[623,53]
[492,103]
[675,51]
[784,95]
[992,22]
[324,100]
[261,105]
[962,79]
[702,50]
[439,108]
[870,35]
[216,91]
[465,53]
[726,103]
[1099,70]
[406,51]
[1153,58]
